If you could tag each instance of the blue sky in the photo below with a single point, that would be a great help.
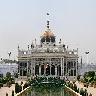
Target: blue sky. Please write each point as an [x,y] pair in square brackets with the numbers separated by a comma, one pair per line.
[74,21]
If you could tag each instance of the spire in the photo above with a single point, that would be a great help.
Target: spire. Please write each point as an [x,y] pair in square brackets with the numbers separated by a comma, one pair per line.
[18,47]
[48,25]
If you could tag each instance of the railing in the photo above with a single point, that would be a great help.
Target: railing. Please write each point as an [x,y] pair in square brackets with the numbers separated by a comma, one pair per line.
[22,92]
[71,92]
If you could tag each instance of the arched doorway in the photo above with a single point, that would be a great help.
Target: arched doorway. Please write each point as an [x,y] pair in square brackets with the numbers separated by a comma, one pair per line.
[47,70]
[37,70]
[59,70]
[52,69]
[42,69]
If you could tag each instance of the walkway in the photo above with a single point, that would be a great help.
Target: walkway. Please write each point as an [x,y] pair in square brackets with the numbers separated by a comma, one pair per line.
[4,90]
[91,90]
[8,90]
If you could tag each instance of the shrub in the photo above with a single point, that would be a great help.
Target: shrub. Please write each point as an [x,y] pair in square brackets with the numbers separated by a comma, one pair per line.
[9,84]
[75,87]
[8,75]
[82,92]
[1,85]
[78,90]
[21,82]
[16,75]
[85,94]
[18,88]
[71,85]
[25,85]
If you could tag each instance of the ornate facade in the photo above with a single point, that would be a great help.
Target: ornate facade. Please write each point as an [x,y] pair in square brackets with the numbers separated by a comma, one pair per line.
[48,58]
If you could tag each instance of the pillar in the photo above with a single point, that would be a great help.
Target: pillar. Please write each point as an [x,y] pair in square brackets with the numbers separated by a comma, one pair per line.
[61,67]
[19,69]
[66,66]
[34,67]
[56,70]
[22,71]
[31,68]
[27,68]
[39,70]
[44,70]
[50,66]
[76,67]
[73,67]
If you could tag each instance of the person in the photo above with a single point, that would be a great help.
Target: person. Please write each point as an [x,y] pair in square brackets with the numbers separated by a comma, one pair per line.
[90,94]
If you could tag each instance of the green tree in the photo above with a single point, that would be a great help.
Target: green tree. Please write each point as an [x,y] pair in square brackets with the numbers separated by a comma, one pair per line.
[82,92]
[75,88]
[25,85]
[8,75]
[18,88]
[89,76]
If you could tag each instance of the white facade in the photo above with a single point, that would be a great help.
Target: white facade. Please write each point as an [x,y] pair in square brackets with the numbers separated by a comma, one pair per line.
[48,58]
[8,67]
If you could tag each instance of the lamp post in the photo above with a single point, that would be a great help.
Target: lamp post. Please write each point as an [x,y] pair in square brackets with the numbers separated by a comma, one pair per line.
[87,52]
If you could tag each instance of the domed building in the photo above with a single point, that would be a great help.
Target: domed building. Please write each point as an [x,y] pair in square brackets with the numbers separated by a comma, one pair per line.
[48,59]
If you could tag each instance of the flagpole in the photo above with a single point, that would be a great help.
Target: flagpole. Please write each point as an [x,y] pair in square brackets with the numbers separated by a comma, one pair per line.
[87,52]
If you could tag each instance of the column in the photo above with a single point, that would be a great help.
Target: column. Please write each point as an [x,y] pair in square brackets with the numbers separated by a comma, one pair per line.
[45,67]
[44,70]
[23,68]
[50,66]
[27,68]
[56,70]
[34,61]
[19,69]
[31,68]
[22,71]
[66,66]
[39,70]
[73,67]
[61,67]
[76,67]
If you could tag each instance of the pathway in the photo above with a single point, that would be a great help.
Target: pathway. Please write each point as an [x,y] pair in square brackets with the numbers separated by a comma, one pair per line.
[91,90]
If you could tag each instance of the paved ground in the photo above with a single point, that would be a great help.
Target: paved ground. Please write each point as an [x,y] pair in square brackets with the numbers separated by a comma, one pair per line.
[8,90]
[4,90]
[91,90]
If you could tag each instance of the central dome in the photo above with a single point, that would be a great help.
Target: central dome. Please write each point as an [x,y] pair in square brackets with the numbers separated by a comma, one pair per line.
[48,36]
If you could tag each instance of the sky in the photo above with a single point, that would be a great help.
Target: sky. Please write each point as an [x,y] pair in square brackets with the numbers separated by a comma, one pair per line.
[74,21]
